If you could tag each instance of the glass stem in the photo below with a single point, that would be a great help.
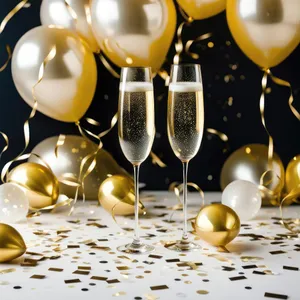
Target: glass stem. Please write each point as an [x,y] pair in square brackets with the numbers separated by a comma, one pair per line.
[136,169]
[185,173]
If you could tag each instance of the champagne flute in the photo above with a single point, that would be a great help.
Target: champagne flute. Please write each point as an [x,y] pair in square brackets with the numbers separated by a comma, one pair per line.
[185,128]
[136,133]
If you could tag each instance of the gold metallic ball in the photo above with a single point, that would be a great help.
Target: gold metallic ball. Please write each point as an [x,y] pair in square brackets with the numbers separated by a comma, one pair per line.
[39,183]
[292,174]
[12,244]
[116,194]
[249,163]
[217,224]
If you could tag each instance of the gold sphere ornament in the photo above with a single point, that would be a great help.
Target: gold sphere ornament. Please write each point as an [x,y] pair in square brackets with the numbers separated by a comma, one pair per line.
[12,244]
[217,224]
[39,183]
[68,160]
[116,195]
[249,163]
[292,174]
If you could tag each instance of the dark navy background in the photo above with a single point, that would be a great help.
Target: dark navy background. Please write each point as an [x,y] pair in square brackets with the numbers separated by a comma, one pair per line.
[241,121]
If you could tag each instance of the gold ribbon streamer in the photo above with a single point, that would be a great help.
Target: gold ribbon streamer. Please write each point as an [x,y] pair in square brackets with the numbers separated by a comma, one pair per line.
[90,158]
[8,58]
[157,161]
[220,134]
[291,196]
[60,141]
[72,12]
[285,83]
[11,14]
[264,82]
[108,66]
[189,44]
[26,127]
[5,137]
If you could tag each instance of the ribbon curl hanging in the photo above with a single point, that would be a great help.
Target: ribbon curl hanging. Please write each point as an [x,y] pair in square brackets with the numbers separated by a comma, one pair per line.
[26,128]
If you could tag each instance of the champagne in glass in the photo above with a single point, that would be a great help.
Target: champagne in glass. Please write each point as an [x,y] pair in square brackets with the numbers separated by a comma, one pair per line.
[136,133]
[185,127]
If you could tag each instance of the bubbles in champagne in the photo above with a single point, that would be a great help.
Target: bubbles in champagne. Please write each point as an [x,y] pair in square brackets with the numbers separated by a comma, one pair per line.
[185,118]
[136,120]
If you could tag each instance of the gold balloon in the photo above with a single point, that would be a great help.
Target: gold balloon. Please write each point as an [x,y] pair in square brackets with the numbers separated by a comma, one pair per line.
[56,12]
[134,32]
[292,174]
[117,193]
[39,183]
[249,163]
[12,244]
[217,224]
[202,9]
[68,86]
[267,31]
[68,160]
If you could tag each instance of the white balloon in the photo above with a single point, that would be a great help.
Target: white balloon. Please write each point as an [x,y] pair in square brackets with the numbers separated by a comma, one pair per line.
[243,197]
[14,204]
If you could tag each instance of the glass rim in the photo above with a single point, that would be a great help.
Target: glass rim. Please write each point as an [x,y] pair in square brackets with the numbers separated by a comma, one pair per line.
[186,65]
[137,68]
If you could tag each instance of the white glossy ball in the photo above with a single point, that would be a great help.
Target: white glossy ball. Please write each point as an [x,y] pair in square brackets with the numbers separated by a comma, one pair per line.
[14,204]
[243,197]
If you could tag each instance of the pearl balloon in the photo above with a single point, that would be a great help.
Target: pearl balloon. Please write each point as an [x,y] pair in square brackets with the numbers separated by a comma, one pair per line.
[243,197]
[14,204]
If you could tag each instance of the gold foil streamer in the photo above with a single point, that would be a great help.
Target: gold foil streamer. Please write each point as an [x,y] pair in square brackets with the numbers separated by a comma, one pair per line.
[108,66]
[288,224]
[5,137]
[285,83]
[26,127]
[264,82]
[157,161]
[164,75]
[60,142]
[71,12]
[189,44]
[92,156]
[11,14]
[220,134]
[8,58]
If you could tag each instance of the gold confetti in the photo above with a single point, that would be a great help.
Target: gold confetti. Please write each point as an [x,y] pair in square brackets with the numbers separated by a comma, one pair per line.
[202,292]
[5,271]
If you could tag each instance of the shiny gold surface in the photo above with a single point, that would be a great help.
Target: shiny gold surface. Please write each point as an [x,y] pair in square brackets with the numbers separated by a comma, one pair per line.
[117,193]
[267,31]
[202,9]
[68,160]
[217,224]
[249,163]
[134,32]
[292,174]
[12,244]
[39,183]
[68,85]
[56,12]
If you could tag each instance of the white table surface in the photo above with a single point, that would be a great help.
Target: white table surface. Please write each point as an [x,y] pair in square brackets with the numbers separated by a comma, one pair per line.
[148,272]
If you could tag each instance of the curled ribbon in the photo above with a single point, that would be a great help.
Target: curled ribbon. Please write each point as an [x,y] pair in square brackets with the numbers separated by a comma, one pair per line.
[189,44]
[5,137]
[11,14]
[26,126]
[220,134]
[291,224]
[108,66]
[264,82]
[8,58]
[157,161]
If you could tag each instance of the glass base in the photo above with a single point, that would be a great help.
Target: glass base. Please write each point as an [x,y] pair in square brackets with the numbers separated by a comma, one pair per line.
[136,248]
[185,246]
